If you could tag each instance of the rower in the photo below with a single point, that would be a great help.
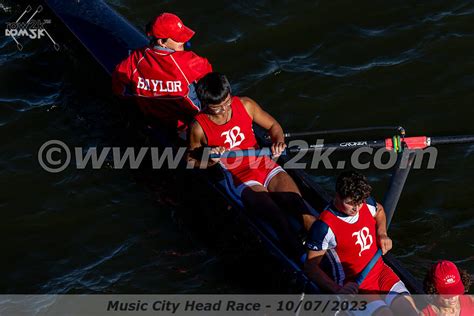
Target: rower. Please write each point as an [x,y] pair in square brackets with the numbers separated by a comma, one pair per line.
[161,76]
[348,232]
[225,123]
[447,284]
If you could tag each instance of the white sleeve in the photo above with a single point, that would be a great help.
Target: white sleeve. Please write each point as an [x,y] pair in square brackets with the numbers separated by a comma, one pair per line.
[329,241]
[372,205]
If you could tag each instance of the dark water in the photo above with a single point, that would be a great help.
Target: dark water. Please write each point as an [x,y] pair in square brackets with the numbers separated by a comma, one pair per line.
[313,65]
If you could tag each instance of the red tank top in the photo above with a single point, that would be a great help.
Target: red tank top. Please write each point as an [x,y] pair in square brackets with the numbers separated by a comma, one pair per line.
[236,134]
[356,242]
[467,307]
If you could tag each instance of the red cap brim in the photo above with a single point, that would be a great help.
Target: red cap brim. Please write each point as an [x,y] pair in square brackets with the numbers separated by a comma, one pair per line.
[455,289]
[185,35]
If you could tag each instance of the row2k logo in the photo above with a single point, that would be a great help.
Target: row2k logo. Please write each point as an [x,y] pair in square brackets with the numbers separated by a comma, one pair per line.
[32,28]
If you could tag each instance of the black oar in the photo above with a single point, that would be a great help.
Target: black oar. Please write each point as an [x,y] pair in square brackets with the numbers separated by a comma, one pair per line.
[396,143]
[396,187]
[399,129]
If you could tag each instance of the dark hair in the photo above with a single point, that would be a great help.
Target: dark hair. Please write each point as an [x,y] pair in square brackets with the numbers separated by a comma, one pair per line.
[213,88]
[351,184]
[153,40]
[429,287]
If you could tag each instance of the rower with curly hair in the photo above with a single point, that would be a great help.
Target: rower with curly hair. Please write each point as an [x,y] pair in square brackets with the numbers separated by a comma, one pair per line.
[348,233]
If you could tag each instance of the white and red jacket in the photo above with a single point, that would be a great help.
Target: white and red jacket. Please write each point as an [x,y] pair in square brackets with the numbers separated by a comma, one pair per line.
[162,81]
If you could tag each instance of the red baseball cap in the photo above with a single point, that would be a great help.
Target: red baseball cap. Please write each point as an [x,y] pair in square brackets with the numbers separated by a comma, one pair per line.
[446,278]
[168,25]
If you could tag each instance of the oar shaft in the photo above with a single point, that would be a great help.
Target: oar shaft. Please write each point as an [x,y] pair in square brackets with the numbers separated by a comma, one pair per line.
[350,145]
[265,151]
[419,142]
[441,140]
[397,183]
[399,129]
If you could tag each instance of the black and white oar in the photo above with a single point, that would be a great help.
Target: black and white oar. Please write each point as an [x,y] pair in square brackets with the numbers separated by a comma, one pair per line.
[396,143]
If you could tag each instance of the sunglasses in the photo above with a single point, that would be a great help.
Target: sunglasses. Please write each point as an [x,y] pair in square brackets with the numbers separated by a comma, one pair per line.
[221,107]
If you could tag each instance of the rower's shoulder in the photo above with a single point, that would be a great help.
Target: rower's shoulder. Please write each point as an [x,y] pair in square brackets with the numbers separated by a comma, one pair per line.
[186,53]
[140,51]
[248,103]
[372,205]
[133,56]
[319,227]
[194,65]
[196,134]
[371,201]
[190,56]
[136,55]
[320,236]
[195,127]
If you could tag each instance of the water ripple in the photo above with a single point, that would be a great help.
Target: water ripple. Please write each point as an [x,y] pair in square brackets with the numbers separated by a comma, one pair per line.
[14,54]
[469,151]
[65,282]
[304,63]
[24,105]
[457,11]
[237,35]
[366,32]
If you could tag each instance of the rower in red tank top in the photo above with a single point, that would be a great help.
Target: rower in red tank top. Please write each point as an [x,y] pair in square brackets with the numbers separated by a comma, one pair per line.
[348,233]
[237,133]
[355,239]
[225,123]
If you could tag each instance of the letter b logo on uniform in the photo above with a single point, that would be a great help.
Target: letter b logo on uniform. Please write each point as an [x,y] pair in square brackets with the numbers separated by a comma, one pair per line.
[364,239]
[234,137]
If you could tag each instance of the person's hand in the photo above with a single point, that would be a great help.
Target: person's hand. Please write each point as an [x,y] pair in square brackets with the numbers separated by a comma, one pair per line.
[349,288]
[217,150]
[384,242]
[277,149]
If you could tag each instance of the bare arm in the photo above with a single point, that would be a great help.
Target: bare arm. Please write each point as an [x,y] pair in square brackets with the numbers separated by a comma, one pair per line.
[197,141]
[268,122]
[316,274]
[322,280]
[263,119]
[384,242]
